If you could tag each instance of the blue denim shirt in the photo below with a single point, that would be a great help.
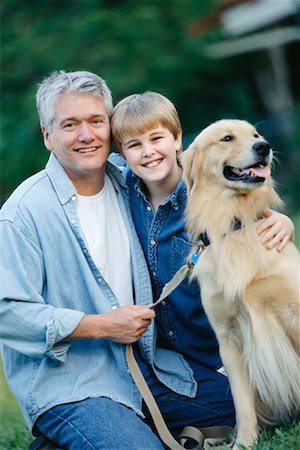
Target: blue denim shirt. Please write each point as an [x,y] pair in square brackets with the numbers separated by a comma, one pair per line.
[49,281]
[182,324]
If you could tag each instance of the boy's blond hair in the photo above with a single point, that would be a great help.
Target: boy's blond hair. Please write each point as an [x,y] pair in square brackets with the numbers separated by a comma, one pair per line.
[139,113]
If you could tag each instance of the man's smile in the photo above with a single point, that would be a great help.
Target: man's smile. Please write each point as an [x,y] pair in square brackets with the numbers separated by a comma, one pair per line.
[86,150]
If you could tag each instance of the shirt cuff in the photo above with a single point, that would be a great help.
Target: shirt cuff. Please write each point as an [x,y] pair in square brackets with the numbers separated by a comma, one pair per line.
[64,323]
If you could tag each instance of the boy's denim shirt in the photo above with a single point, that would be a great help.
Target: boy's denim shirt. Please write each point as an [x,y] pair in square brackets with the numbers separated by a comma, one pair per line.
[181,322]
[49,281]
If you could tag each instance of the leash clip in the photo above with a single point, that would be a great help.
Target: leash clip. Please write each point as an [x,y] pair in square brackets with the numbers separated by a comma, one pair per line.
[196,255]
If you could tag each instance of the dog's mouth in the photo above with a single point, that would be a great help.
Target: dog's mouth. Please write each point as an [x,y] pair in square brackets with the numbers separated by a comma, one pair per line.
[252,174]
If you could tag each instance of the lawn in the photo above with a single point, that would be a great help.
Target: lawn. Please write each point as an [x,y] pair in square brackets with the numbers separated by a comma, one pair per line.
[14,433]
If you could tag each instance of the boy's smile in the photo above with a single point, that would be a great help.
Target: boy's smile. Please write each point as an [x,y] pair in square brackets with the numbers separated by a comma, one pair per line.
[153,163]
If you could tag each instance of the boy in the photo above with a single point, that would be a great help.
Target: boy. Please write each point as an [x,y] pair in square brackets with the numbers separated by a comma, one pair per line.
[147,132]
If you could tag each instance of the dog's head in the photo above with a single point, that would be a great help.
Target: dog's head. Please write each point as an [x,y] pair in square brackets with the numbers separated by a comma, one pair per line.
[230,153]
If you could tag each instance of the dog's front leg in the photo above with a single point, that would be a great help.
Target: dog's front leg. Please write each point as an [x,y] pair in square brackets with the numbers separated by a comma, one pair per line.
[243,396]
[223,318]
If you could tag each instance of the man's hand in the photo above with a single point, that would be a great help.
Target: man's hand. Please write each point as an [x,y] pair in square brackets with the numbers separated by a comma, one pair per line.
[124,325]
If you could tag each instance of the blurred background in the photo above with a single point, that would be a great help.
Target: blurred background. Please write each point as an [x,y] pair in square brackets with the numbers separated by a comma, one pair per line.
[213,58]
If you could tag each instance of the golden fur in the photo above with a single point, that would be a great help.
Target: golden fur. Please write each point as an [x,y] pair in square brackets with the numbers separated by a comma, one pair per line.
[250,294]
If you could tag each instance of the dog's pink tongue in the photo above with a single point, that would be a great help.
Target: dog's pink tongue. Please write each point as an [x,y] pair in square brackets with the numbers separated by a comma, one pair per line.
[262,172]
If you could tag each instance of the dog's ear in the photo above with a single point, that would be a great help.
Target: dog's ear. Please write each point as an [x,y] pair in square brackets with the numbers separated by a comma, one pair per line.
[187,165]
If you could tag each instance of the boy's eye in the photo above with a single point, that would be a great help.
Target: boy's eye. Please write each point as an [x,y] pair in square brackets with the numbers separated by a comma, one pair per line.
[156,138]
[133,145]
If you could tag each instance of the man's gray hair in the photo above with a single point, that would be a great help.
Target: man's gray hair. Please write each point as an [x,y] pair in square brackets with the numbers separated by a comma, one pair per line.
[59,82]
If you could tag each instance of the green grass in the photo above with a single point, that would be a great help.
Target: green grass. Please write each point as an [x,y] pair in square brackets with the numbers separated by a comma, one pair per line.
[14,433]
[280,439]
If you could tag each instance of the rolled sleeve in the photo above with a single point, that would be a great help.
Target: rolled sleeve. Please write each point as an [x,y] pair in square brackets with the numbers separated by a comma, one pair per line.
[65,322]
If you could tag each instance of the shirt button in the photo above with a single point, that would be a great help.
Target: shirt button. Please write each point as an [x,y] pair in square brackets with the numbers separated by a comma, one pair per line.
[170,333]
[73,198]
[114,307]
[149,208]
[164,303]
[73,221]
[154,274]
[152,242]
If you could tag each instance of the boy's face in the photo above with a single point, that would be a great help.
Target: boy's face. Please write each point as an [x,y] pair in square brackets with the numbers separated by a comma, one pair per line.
[153,155]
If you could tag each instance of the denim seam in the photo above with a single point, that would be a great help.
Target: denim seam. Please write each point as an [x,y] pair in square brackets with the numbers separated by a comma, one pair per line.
[51,436]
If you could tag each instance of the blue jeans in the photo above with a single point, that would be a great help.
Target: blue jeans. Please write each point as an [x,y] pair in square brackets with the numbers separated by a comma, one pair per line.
[100,423]
[97,423]
[212,406]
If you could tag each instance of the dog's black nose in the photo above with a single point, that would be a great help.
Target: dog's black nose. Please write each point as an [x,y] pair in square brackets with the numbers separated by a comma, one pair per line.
[262,148]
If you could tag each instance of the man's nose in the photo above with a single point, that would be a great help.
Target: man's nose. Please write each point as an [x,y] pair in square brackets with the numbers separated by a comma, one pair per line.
[85,132]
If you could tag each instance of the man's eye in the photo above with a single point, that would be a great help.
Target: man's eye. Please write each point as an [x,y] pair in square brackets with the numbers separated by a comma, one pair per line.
[100,121]
[156,138]
[69,125]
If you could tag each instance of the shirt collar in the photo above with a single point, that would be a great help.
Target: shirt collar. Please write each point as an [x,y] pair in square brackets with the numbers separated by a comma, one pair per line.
[62,184]
[174,198]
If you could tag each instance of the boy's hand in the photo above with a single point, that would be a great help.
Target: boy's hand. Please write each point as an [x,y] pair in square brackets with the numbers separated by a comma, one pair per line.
[275,230]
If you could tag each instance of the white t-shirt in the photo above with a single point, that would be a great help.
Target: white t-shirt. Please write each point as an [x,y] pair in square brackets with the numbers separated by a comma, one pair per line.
[107,240]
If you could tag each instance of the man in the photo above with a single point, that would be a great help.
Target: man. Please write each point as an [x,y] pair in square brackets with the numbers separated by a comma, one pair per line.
[71,266]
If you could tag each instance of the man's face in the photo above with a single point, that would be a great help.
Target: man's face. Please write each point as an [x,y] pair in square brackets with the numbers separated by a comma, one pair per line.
[80,139]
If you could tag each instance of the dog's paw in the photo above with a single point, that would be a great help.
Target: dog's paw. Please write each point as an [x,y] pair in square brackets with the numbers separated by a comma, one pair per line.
[245,440]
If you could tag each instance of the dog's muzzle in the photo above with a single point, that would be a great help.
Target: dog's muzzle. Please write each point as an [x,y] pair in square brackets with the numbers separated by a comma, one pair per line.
[258,171]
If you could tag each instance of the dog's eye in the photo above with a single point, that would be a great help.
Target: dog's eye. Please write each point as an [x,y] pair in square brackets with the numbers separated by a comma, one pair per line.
[256,135]
[227,138]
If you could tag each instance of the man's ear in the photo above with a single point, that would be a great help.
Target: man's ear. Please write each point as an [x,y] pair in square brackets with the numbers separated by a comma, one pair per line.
[47,139]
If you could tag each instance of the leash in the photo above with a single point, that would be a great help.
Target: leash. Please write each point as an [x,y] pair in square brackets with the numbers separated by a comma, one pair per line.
[182,273]
[213,434]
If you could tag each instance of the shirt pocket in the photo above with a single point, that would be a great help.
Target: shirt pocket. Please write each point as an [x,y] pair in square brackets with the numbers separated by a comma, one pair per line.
[181,249]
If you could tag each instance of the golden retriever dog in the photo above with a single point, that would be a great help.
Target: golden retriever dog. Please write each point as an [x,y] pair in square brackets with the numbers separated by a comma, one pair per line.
[250,294]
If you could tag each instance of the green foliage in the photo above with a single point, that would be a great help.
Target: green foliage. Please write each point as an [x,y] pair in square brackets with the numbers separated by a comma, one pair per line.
[134,45]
